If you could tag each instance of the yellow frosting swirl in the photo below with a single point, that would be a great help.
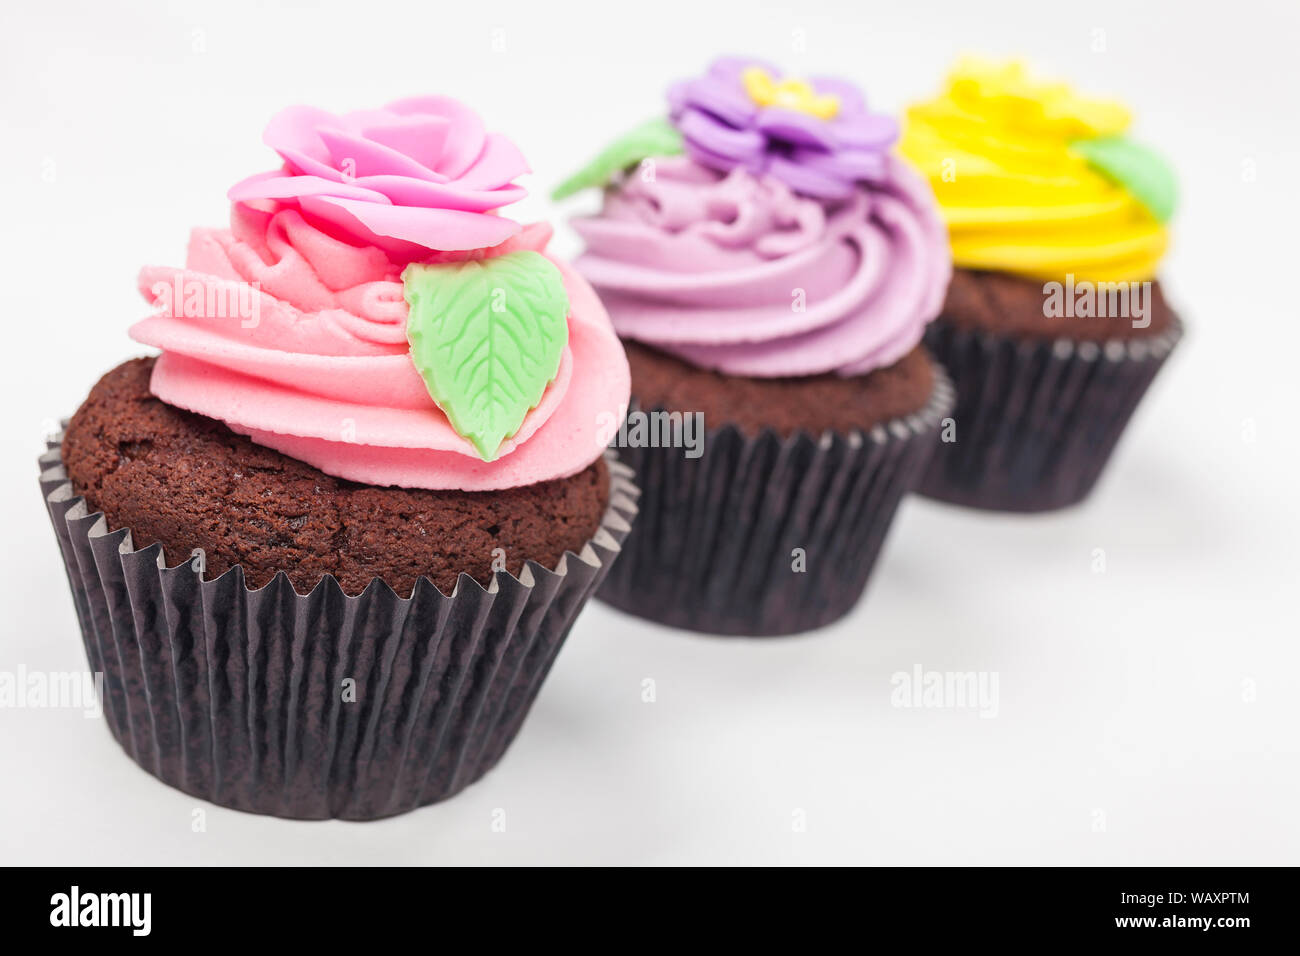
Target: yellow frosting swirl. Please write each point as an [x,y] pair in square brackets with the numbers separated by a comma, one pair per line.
[996,147]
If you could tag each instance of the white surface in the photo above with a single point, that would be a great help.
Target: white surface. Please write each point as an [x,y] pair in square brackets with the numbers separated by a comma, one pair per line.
[1124,692]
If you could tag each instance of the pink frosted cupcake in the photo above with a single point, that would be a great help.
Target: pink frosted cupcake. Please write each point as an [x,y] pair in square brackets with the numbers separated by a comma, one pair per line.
[771,266]
[326,545]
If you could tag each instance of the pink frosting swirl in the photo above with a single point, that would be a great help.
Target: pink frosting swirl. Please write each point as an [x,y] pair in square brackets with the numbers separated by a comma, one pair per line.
[736,272]
[416,175]
[319,366]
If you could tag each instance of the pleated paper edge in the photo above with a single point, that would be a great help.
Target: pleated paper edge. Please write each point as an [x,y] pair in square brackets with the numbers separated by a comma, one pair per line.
[601,548]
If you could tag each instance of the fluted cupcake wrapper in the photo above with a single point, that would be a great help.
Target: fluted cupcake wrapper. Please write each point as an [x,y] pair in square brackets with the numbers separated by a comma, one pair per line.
[763,535]
[1035,421]
[238,696]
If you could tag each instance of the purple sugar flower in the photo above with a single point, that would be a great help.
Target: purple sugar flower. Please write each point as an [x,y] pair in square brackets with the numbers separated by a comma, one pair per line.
[816,136]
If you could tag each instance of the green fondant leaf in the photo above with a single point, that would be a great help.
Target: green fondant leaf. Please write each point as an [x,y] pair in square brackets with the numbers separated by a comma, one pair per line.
[656,137]
[487,338]
[1135,167]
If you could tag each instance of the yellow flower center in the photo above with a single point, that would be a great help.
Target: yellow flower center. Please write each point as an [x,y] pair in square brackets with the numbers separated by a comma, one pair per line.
[788,94]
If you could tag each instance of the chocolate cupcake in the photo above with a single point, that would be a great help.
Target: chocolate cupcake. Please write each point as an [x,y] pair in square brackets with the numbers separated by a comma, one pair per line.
[326,545]
[771,267]
[1054,325]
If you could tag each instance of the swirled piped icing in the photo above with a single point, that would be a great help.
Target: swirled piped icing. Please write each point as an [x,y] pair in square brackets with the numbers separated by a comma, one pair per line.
[1036,180]
[294,329]
[828,257]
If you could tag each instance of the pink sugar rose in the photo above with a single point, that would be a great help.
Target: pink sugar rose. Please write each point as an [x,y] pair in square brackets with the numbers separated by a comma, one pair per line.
[416,176]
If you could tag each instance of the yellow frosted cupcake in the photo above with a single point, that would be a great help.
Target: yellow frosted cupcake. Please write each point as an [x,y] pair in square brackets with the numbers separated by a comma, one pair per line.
[1054,324]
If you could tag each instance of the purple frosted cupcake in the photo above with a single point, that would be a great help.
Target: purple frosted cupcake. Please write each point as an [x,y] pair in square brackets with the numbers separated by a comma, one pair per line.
[771,267]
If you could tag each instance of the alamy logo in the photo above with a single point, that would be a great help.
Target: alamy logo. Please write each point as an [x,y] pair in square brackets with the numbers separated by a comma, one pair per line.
[1102,300]
[657,429]
[132,910]
[943,690]
[53,690]
[195,299]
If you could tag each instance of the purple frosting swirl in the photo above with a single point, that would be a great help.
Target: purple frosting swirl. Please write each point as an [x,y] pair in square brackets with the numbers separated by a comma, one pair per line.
[724,129]
[737,272]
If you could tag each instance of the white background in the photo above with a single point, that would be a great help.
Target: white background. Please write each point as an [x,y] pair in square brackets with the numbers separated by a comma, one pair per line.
[1148,714]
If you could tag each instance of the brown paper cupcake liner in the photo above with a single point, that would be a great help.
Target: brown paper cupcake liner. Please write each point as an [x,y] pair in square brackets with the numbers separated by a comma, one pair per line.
[1035,421]
[238,696]
[714,548]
